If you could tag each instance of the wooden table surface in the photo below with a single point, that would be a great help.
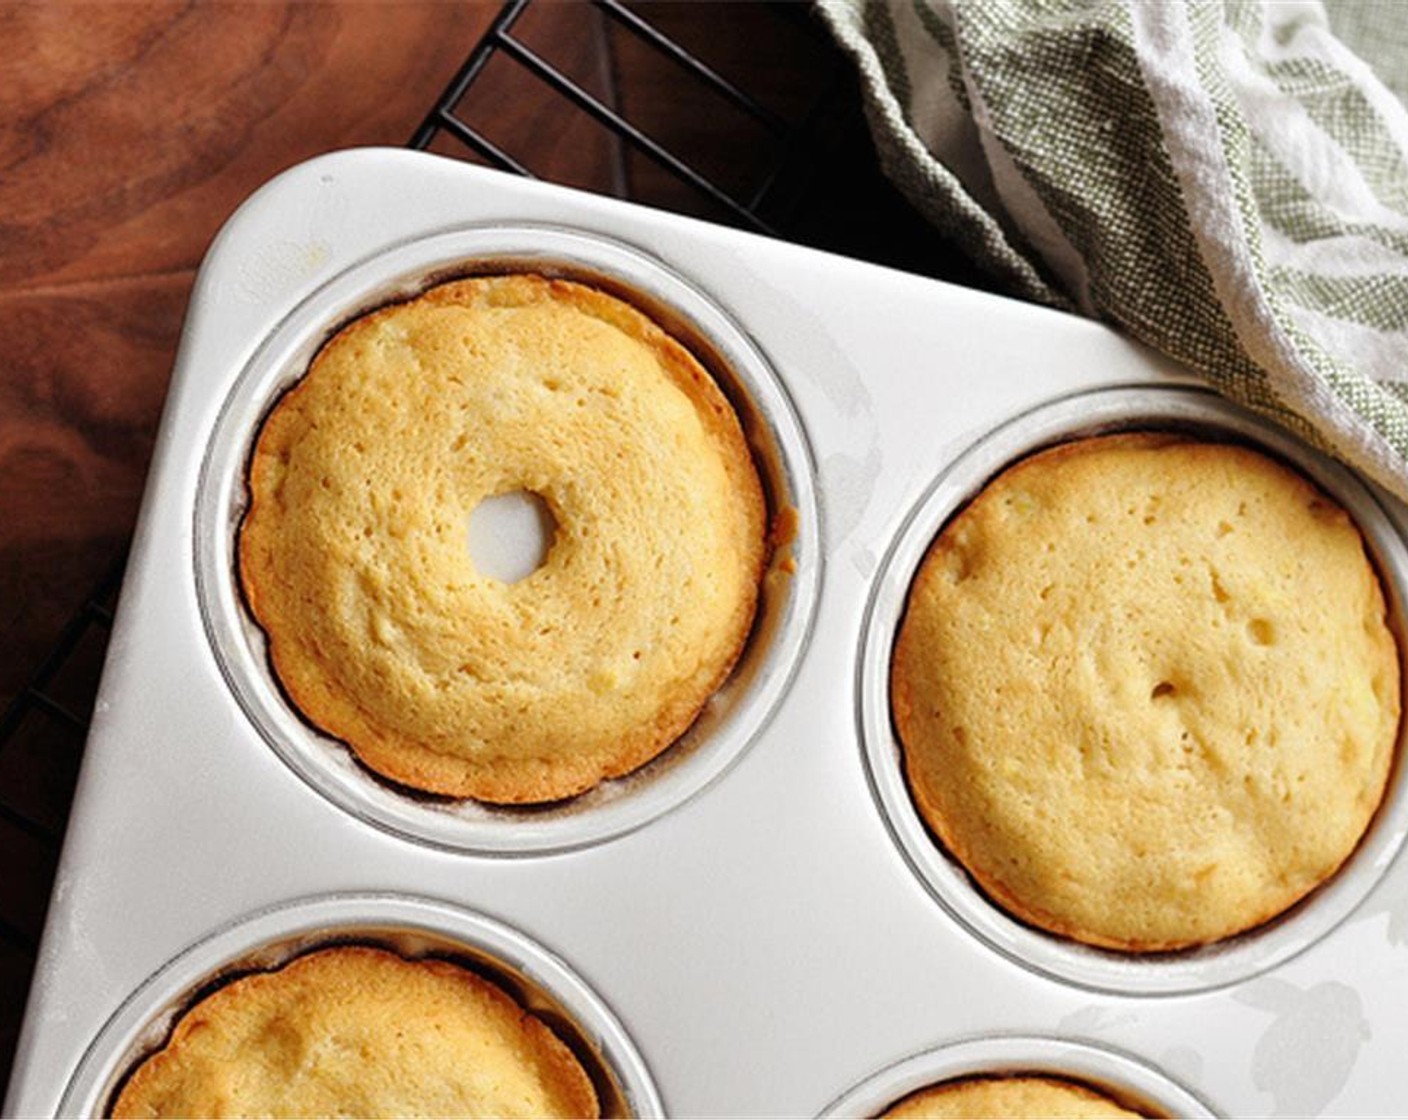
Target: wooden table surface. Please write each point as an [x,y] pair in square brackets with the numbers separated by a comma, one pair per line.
[131,131]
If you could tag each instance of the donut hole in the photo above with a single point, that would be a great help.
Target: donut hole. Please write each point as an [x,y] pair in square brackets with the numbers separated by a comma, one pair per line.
[510,535]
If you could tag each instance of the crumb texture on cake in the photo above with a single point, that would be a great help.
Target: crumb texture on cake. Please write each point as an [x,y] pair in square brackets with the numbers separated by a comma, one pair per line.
[359,1031]
[1008,1097]
[1146,691]
[354,559]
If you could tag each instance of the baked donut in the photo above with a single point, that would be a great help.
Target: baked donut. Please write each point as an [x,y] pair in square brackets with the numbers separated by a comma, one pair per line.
[359,1031]
[1017,1096]
[353,550]
[1145,690]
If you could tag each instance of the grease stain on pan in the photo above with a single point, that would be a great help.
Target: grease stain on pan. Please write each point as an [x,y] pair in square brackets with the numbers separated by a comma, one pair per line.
[1305,1056]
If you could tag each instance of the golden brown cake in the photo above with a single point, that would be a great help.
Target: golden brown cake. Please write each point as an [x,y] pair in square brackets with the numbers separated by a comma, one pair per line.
[1145,690]
[354,559]
[1015,1097]
[357,1031]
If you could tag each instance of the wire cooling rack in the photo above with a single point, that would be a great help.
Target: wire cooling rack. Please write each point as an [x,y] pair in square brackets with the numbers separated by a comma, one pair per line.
[500,41]
[663,104]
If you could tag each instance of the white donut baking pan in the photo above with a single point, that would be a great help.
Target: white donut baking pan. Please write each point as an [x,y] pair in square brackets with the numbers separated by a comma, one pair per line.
[752,927]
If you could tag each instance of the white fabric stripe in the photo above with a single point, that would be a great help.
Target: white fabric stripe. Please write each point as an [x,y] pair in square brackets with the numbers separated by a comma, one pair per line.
[943,199]
[1292,29]
[1318,163]
[1165,45]
[1374,353]
[1023,206]
[1301,30]
[935,112]
[1342,256]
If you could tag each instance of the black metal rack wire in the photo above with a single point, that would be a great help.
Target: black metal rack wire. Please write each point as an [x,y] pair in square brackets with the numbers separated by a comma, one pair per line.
[61,706]
[807,174]
[501,41]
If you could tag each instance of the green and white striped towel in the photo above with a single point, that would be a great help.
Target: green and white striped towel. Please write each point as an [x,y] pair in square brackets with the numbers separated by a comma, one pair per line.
[1225,181]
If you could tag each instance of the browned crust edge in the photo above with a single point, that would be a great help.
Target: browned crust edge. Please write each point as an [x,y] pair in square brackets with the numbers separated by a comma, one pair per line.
[560,1065]
[902,707]
[533,780]
[956,1084]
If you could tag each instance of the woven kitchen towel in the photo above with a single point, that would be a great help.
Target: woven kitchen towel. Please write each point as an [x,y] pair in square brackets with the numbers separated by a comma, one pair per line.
[1225,181]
